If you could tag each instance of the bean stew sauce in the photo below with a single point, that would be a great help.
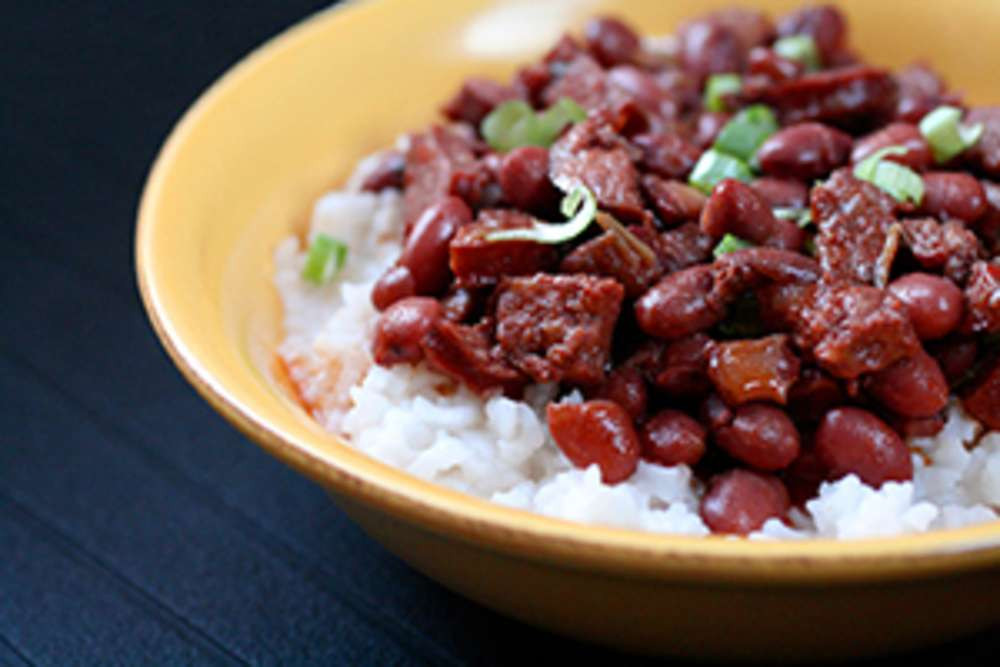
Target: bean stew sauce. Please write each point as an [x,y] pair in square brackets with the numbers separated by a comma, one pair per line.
[746,250]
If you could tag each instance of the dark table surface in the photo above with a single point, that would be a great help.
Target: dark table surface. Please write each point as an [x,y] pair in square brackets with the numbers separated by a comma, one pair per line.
[136,526]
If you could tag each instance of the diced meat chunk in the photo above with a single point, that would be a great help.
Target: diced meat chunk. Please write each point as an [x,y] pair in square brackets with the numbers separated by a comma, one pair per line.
[950,247]
[609,255]
[854,329]
[558,328]
[467,354]
[585,155]
[477,262]
[667,154]
[673,201]
[982,299]
[682,247]
[476,98]
[853,219]
[744,371]
[582,80]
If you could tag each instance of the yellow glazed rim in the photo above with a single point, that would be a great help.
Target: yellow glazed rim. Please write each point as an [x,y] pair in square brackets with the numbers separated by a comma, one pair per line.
[333,463]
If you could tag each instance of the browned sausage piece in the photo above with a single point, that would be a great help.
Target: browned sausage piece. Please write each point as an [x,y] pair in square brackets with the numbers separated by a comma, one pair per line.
[953,195]
[401,329]
[804,151]
[744,371]
[426,251]
[609,255]
[911,387]
[740,501]
[852,440]
[762,436]
[918,153]
[467,354]
[598,432]
[672,438]
[736,208]
[933,303]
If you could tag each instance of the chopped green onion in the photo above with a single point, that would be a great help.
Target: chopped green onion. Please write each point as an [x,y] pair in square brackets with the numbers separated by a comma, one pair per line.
[900,181]
[514,123]
[800,216]
[579,205]
[325,258]
[746,131]
[728,244]
[717,87]
[552,121]
[713,167]
[801,49]
[946,135]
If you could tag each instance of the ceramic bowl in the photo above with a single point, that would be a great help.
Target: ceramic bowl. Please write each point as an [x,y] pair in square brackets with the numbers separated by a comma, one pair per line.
[239,173]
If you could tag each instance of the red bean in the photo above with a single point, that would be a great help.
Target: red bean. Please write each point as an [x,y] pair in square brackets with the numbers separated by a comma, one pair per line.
[762,61]
[672,438]
[740,501]
[933,303]
[401,328]
[782,192]
[955,357]
[388,172]
[706,47]
[813,394]
[919,427]
[462,304]
[911,387]
[917,156]
[715,412]
[982,400]
[426,250]
[737,208]
[395,284]
[761,436]
[611,41]
[598,432]
[679,304]
[953,195]
[524,179]
[708,126]
[804,151]
[852,440]
[625,387]
[825,24]
[762,369]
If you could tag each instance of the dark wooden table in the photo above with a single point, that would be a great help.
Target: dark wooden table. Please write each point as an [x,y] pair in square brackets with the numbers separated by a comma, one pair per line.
[136,527]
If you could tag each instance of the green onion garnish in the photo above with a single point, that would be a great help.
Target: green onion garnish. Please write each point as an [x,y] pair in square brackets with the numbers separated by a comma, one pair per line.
[946,136]
[514,123]
[800,216]
[801,49]
[900,181]
[579,205]
[713,167]
[728,244]
[746,131]
[326,257]
[717,87]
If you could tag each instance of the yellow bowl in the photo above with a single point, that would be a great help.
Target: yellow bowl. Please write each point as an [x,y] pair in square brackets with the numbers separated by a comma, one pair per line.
[240,172]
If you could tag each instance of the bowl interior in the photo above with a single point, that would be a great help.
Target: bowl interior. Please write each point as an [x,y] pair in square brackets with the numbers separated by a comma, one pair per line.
[241,169]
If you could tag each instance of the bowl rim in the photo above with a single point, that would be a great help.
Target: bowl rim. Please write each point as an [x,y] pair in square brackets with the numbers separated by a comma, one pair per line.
[514,532]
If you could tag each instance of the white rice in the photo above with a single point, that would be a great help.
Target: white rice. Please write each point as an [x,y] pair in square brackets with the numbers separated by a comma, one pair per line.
[500,449]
